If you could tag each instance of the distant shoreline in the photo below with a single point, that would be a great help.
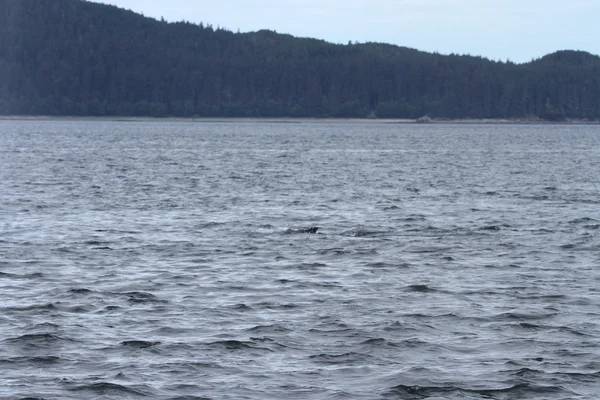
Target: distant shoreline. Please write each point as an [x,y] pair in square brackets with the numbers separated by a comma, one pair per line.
[433,121]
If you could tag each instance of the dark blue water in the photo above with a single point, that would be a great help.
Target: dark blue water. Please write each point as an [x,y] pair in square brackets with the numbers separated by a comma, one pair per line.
[169,260]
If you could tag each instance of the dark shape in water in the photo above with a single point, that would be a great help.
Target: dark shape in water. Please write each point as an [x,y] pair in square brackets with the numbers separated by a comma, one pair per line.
[141,344]
[107,388]
[310,229]
[490,228]
[32,398]
[420,288]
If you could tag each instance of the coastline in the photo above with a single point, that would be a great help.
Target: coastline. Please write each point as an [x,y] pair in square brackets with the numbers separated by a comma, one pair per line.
[432,121]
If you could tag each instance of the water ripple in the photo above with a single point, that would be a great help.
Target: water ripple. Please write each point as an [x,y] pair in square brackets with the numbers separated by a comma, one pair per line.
[181,260]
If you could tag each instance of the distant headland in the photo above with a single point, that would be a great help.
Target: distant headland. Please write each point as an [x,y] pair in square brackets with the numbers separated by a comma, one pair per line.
[83,59]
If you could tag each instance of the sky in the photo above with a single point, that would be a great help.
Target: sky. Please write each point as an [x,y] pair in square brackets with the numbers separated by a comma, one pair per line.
[515,30]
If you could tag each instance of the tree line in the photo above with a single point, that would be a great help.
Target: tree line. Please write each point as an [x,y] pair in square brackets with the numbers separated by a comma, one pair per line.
[73,57]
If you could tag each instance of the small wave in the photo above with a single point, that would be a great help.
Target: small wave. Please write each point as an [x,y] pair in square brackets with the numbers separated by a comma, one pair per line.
[96,243]
[584,220]
[32,398]
[325,284]
[107,388]
[194,365]
[529,325]
[378,342]
[80,291]
[233,344]
[513,316]
[541,296]
[141,297]
[261,339]
[268,328]
[592,226]
[420,288]
[310,229]
[45,325]
[427,249]
[241,307]
[418,392]
[345,358]
[38,361]
[490,228]
[398,326]
[385,265]
[361,232]
[36,340]
[522,390]
[334,329]
[34,337]
[34,275]
[45,360]
[418,315]
[275,306]
[591,376]
[284,281]
[139,344]
[527,372]
[79,309]
[210,224]
[336,251]
[572,331]
[414,342]
[311,266]
[414,218]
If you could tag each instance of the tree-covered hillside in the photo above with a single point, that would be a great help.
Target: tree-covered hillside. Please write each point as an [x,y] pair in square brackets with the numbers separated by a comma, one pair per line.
[73,57]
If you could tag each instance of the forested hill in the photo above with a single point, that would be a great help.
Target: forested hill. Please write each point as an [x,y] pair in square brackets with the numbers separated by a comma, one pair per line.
[72,57]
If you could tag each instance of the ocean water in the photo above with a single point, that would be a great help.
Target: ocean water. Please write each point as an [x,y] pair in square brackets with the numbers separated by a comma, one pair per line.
[175,260]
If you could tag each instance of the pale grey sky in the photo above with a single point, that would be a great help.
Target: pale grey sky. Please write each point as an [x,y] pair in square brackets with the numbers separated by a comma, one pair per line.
[518,30]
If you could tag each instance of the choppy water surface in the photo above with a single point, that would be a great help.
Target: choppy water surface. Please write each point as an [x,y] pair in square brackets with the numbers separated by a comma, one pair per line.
[172,261]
